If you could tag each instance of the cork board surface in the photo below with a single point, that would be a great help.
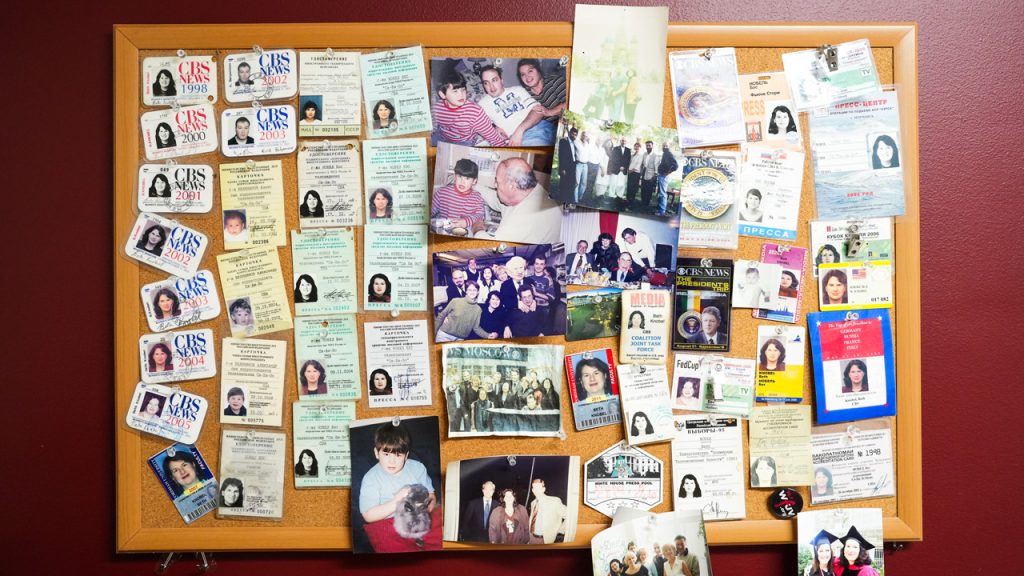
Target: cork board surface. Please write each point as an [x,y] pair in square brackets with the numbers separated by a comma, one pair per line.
[328,508]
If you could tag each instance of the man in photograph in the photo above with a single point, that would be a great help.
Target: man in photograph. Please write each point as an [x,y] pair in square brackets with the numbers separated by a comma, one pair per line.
[527,320]
[544,291]
[625,272]
[547,515]
[457,287]
[710,320]
[649,176]
[666,166]
[639,246]
[458,408]
[580,261]
[241,133]
[514,111]
[567,166]
[473,527]
[618,166]
[510,289]
[527,214]
[243,75]
[683,553]
[636,168]
[472,270]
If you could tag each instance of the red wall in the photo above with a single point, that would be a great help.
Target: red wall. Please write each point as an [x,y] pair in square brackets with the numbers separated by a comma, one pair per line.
[58,467]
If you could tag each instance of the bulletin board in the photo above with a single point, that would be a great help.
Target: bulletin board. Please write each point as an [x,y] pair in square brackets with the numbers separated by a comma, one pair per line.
[319,519]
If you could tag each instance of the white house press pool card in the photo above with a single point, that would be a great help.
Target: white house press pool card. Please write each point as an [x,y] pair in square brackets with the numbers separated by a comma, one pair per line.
[166,245]
[188,480]
[769,115]
[623,476]
[395,267]
[178,132]
[252,473]
[768,196]
[329,91]
[646,315]
[324,272]
[252,201]
[167,412]
[794,278]
[780,446]
[260,75]
[330,192]
[178,302]
[395,176]
[707,466]
[320,446]
[821,77]
[707,195]
[397,364]
[325,366]
[184,188]
[646,406]
[177,356]
[706,96]
[254,292]
[258,131]
[395,95]
[252,381]
[179,80]
[851,240]
[852,462]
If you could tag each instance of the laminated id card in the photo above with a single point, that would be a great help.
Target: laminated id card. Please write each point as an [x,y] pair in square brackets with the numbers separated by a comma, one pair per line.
[850,285]
[189,482]
[179,132]
[706,97]
[261,75]
[186,188]
[166,245]
[170,80]
[177,356]
[822,77]
[178,302]
[167,412]
[258,131]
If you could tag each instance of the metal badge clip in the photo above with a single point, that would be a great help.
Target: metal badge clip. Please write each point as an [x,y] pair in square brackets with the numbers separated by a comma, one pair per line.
[829,54]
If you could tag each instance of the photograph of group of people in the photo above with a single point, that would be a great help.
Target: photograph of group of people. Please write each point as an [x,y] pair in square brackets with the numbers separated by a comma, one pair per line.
[612,249]
[666,544]
[513,500]
[481,294]
[617,166]
[497,101]
[493,195]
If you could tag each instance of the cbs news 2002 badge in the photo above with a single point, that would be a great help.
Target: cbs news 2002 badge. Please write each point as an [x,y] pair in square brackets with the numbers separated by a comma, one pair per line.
[179,132]
[179,302]
[258,131]
[184,188]
[167,412]
[179,80]
[166,245]
[177,356]
[262,75]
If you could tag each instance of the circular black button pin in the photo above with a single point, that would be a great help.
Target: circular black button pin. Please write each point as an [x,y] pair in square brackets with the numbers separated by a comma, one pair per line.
[785,503]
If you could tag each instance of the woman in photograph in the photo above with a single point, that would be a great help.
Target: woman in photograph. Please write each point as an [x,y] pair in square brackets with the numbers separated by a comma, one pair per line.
[164,136]
[641,425]
[488,283]
[550,400]
[762,472]
[782,120]
[460,319]
[381,204]
[855,377]
[605,253]
[380,383]
[232,493]
[788,285]
[593,380]
[689,487]
[821,556]
[307,464]
[152,240]
[166,304]
[773,356]
[384,116]
[636,321]
[827,254]
[312,206]
[673,565]
[182,470]
[313,378]
[854,559]
[493,317]
[884,153]
[160,359]
[310,111]
[751,210]
[822,482]
[615,568]
[160,187]
[509,523]
[379,289]
[480,411]
[152,408]
[305,289]
[164,85]
[688,395]
[633,568]
[833,288]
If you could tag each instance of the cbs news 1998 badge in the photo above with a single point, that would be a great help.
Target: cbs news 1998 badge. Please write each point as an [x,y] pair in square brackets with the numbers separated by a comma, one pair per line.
[177,356]
[178,302]
[179,132]
[172,80]
[166,245]
[167,412]
[184,188]
[263,75]
[258,131]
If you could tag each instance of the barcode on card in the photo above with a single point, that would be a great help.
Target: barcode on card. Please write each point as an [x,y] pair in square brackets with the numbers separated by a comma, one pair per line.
[195,514]
[599,421]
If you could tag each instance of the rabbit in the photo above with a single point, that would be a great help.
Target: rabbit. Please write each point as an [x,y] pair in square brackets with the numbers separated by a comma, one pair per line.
[412,516]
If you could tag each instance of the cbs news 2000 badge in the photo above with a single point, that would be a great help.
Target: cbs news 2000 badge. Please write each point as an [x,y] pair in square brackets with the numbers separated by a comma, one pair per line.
[262,75]
[178,302]
[179,80]
[167,412]
[177,356]
[258,131]
[184,188]
[179,132]
[166,245]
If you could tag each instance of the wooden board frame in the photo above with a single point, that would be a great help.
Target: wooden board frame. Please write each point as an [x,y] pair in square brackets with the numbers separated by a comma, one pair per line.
[129,40]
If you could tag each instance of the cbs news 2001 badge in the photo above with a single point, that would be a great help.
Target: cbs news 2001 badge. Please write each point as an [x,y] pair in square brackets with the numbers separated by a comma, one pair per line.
[179,302]
[166,245]
[263,75]
[186,188]
[167,412]
[258,131]
[179,132]
[177,356]
[173,80]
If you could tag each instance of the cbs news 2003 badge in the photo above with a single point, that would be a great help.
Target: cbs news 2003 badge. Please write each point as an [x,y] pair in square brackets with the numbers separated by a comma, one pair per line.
[179,80]
[167,412]
[179,302]
[186,188]
[177,356]
[261,75]
[258,131]
[166,245]
[179,132]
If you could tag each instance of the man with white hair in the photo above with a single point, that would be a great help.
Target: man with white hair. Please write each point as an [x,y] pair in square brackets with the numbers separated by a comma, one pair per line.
[511,289]
[527,214]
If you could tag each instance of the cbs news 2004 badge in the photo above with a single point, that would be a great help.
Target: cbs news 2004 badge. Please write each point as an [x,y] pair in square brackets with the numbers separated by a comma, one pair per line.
[258,131]
[179,302]
[179,80]
[177,356]
[167,412]
[179,132]
[184,188]
[260,75]
[166,245]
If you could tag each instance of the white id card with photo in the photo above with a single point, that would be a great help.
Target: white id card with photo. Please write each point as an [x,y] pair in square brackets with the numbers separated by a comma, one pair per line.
[170,80]
[397,364]
[167,412]
[756,284]
[252,473]
[264,75]
[184,188]
[166,245]
[330,189]
[252,381]
[324,272]
[852,462]
[178,132]
[855,285]
[177,356]
[395,173]
[768,196]
[252,204]
[813,83]
[329,91]
[258,131]
[646,406]
[326,367]
[179,302]
[769,115]
[395,95]
[320,450]
[707,466]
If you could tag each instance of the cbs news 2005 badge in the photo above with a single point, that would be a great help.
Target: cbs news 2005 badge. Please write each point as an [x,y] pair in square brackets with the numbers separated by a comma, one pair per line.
[261,75]
[179,302]
[184,188]
[177,356]
[179,80]
[179,132]
[166,245]
[258,131]
[167,412]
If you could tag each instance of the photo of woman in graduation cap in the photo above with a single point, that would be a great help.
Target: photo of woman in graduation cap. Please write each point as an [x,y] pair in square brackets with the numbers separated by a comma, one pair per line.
[822,558]
[854,560]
